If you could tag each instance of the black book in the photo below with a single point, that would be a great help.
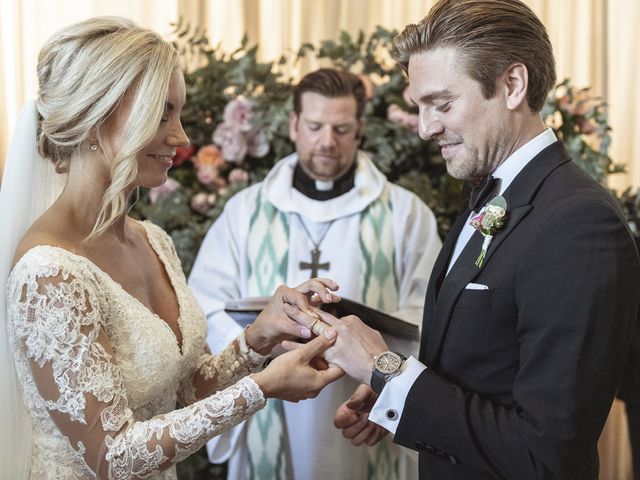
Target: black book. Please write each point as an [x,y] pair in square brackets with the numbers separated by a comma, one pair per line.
[245,311]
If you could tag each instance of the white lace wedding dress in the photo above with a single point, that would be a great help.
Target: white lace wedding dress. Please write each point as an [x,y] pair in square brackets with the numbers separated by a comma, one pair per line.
[101,374]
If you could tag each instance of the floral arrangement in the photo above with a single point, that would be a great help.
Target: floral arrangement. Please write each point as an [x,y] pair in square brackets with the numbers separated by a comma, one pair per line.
[490,219]
[237,113]
[579,120]
[236,117]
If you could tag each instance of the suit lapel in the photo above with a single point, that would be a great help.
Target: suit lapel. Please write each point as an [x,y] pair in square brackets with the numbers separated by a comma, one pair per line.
[441,301]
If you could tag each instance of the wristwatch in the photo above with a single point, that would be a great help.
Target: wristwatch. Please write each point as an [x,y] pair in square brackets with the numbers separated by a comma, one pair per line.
[386,366]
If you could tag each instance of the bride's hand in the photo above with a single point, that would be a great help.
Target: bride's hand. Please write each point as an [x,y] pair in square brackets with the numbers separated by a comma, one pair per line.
[289,315]
[319,291]
[293,377]
[316,296]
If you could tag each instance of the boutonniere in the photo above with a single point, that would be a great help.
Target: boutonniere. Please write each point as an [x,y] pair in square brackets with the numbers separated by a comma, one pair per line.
[490,219]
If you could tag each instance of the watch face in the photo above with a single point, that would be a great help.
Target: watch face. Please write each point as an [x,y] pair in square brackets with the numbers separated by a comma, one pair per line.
[388,362]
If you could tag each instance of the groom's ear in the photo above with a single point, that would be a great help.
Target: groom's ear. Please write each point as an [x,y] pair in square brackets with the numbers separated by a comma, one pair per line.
[514,84]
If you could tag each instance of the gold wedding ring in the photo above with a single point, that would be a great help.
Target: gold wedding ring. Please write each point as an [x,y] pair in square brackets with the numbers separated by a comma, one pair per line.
[318,327]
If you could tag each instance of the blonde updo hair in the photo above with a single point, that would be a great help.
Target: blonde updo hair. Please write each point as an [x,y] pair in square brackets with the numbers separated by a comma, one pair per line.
[84,71]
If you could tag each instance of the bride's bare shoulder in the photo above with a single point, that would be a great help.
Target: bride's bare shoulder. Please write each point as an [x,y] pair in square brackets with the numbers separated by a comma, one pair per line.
[46,232]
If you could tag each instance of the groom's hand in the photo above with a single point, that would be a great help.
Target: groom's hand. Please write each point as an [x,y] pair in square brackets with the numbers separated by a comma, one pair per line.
[352,417]
[356,346]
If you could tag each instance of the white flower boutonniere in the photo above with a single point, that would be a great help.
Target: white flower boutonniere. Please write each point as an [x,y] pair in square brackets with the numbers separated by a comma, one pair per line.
[490,219]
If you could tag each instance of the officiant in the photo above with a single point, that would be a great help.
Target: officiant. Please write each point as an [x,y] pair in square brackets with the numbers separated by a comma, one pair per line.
[325,211]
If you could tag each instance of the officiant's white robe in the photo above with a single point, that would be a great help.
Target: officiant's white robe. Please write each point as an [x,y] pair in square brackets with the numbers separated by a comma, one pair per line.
[221,273]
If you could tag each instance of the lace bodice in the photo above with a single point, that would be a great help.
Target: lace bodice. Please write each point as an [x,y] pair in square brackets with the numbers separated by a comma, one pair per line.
[101,374]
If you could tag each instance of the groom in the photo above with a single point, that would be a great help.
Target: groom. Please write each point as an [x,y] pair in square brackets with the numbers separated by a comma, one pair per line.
[528,320]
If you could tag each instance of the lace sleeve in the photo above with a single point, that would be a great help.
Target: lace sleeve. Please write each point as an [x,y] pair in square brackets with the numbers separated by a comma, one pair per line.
[214,372]
[62,351]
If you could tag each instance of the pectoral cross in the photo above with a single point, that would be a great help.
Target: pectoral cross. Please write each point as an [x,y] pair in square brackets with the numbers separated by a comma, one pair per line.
[315,264]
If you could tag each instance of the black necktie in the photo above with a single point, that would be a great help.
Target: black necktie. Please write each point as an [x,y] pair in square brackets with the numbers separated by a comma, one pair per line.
[481,193]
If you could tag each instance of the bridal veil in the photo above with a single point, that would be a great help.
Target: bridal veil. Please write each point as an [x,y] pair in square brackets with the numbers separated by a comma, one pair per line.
[29,186]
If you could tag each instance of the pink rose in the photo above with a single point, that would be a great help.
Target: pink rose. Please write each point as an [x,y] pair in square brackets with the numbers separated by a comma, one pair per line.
[400,117]
[257,143]
[157,193]
[202,202]
[394,113]
[412,122]
[578,105]
[554,120]
[476,222]
[587,126]
[239,113]
[238,175]
[207,174]
[233,142]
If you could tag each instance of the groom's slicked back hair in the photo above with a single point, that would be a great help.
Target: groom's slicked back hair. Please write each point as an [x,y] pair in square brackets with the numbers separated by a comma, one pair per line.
[489,36]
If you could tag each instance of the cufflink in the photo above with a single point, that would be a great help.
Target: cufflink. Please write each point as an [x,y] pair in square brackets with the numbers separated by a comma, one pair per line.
[392,414]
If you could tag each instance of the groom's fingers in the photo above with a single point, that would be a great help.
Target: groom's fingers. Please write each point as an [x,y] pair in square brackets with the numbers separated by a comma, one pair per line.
[368,433]
[361,398]
[317,346]
[355,429]
[345,417]
[302,324]
[377,436]
[326,317]
[314,324]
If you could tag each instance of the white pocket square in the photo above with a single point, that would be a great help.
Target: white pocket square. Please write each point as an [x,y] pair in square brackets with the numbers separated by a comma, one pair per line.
[476,286]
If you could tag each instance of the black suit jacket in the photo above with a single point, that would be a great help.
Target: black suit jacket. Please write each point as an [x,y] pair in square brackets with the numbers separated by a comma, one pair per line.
[521,376]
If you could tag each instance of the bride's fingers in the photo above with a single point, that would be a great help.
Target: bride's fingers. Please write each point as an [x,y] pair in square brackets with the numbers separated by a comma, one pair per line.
[317,299]
[314,324]
[319,290]
[291,297]
[317,284]
[289,345]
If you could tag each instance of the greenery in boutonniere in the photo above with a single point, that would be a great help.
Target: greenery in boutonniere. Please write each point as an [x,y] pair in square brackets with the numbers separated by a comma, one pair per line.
[488,222]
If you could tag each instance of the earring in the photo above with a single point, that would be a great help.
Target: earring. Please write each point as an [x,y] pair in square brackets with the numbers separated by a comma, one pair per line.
[62,165]
[93,147]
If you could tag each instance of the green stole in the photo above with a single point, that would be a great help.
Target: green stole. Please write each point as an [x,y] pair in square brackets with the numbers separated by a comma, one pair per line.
[268,258]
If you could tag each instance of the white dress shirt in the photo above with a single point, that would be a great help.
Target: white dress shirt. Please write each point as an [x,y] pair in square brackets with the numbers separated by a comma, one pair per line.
[388,408]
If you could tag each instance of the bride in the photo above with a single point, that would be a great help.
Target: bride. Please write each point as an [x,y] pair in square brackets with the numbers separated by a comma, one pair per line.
[104,334]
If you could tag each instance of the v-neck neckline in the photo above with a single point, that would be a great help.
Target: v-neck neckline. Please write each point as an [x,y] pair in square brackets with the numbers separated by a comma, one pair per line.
[178,321]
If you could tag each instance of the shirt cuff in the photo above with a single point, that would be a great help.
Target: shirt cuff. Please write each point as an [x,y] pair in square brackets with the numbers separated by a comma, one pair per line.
[387,410]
